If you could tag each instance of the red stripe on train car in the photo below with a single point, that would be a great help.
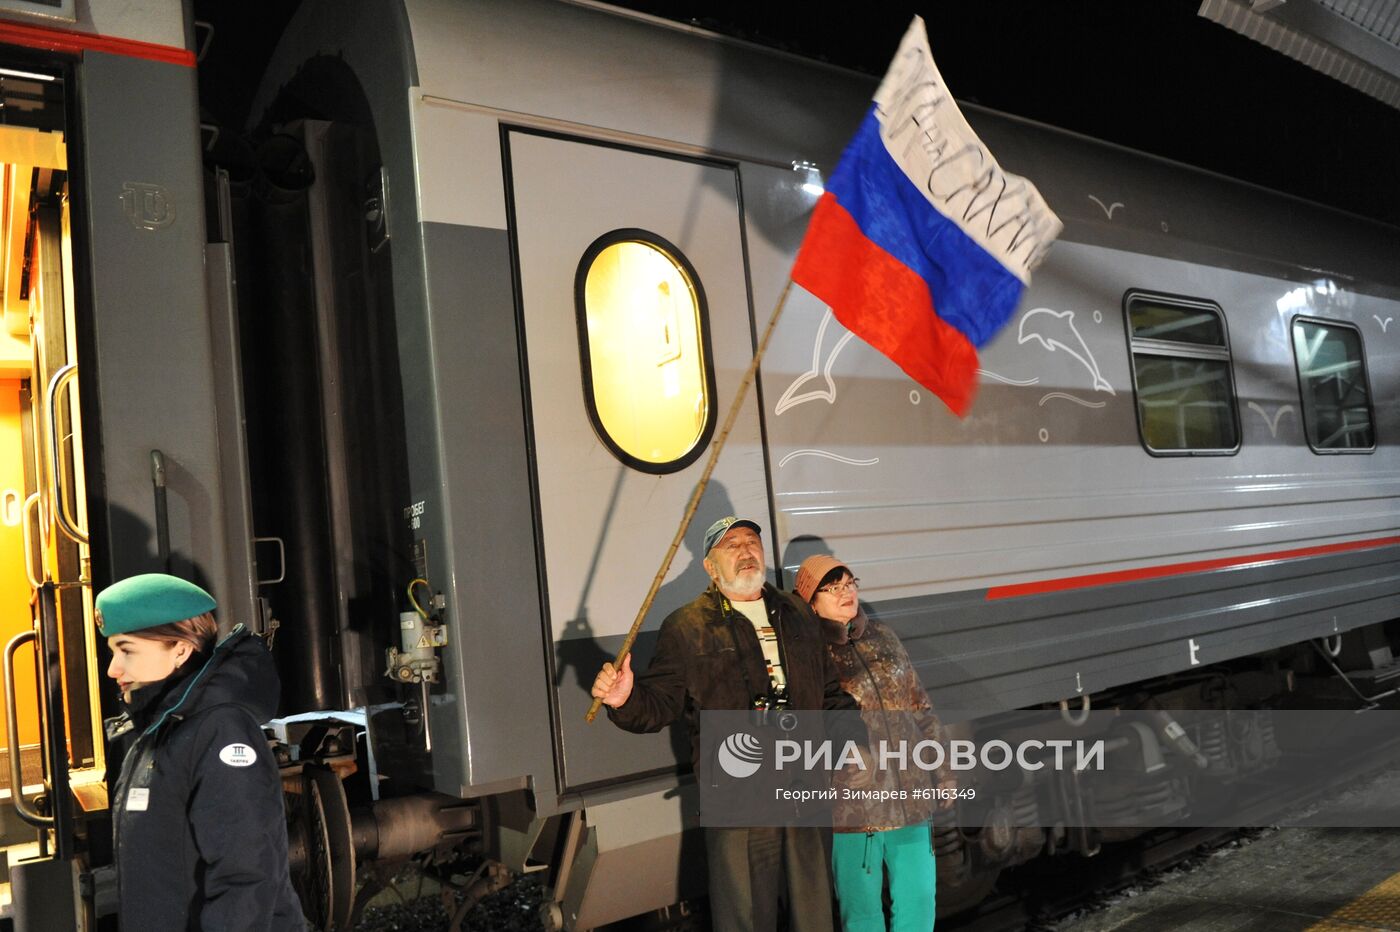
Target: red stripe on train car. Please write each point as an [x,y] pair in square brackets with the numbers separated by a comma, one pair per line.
[1180,569]
[62,40]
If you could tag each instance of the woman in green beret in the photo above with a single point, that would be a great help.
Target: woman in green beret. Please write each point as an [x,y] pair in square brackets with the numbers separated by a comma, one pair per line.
[199,831]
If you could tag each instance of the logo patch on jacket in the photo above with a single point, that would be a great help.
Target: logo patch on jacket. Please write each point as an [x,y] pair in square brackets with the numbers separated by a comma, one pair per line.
[238,755]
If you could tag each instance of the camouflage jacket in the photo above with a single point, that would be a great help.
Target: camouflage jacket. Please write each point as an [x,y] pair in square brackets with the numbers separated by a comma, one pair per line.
[875,669]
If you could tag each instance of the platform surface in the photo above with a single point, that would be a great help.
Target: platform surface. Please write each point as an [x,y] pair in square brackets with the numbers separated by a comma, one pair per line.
[1287,880]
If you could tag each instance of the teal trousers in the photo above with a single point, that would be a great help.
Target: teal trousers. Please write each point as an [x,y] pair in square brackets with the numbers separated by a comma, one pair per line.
[859,861]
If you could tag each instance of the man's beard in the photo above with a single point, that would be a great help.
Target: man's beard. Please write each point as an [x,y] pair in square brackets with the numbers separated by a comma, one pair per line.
[745,585]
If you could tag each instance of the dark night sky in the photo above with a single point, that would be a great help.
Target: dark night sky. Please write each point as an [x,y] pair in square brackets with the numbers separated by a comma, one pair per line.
[1149,74]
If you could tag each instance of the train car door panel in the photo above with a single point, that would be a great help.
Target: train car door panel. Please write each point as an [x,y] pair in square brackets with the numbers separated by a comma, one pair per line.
[637,330]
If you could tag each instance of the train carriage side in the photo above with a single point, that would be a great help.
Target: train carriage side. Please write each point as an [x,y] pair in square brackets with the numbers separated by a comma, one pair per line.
[512,186]
[1057,497]
[575,220]
[1153,478]
[515,190]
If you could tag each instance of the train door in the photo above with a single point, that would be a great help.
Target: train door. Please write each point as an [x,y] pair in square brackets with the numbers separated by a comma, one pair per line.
[53,765]
[637,330]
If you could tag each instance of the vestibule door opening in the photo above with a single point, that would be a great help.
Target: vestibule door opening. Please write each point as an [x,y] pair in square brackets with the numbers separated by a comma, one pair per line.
[52,761]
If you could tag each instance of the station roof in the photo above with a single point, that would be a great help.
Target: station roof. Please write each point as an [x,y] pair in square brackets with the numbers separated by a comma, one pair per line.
[1355,41]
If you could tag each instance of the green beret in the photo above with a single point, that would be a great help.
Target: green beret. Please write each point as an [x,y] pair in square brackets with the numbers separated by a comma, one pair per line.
[151,599]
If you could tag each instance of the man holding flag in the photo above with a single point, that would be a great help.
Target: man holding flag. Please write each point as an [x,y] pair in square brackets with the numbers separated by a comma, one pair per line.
[740,645]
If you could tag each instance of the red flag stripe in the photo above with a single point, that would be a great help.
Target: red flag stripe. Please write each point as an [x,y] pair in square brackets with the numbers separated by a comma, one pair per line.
[885,303]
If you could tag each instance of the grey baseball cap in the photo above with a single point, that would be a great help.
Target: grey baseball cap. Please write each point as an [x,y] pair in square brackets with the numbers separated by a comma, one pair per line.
[722,527]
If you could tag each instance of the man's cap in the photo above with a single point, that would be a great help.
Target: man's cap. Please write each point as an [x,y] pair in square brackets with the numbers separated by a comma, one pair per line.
[811,573]
[723,526]
[140,602]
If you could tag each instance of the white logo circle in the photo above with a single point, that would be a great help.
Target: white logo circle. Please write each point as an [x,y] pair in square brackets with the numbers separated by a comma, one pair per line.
[238,755]
[740,755]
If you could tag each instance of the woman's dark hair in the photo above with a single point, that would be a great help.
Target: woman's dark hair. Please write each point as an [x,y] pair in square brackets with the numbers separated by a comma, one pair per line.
[834,575]
[199,632]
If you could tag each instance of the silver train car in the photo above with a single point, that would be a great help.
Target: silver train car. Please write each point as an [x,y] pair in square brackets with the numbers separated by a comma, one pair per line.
[430,404]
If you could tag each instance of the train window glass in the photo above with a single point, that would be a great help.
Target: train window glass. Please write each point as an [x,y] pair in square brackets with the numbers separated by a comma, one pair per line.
[1332,381]
[1180,325]
[648,381]
[1182,376]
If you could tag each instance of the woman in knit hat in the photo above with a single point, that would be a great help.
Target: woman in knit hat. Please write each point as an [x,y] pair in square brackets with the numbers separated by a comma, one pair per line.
[870,839]
[199,833]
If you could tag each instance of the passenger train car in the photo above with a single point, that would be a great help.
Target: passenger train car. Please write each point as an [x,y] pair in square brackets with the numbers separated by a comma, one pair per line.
[416,372]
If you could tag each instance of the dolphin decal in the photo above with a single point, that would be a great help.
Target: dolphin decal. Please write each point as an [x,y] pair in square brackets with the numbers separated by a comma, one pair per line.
[1056,330]
[790,397]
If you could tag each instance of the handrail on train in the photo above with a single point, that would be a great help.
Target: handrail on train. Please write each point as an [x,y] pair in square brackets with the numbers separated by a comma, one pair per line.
[28,541]
[22,807]
[66,523]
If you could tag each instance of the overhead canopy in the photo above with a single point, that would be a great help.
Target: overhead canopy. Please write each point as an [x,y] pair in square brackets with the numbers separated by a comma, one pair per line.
[1355,41]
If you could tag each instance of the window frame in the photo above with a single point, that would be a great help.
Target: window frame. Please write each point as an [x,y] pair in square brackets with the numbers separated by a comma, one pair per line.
[1173,349]
[672,252]
[1365,375]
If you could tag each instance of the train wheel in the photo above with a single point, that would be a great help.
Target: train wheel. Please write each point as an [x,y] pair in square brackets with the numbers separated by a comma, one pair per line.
[322,849]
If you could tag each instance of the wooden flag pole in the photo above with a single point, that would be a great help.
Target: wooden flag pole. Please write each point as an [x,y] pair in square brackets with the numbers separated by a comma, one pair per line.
[695,496]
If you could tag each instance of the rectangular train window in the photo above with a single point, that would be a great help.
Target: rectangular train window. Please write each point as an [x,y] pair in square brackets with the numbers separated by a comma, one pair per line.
[1181,375]
[1335,391]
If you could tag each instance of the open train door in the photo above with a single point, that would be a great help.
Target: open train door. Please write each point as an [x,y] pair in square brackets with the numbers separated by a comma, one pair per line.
[52,770]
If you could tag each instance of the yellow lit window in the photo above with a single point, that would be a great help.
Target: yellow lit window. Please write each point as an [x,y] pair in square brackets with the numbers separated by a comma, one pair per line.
[645,362]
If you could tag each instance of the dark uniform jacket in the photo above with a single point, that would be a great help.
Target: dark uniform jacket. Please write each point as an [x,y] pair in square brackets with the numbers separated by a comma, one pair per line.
[708,658]
[199,827]
[875,669]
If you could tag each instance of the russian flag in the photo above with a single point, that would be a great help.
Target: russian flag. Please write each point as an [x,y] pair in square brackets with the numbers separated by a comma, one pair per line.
[921,244]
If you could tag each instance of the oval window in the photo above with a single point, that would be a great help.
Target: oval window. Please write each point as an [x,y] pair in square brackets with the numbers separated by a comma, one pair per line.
[647,377]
